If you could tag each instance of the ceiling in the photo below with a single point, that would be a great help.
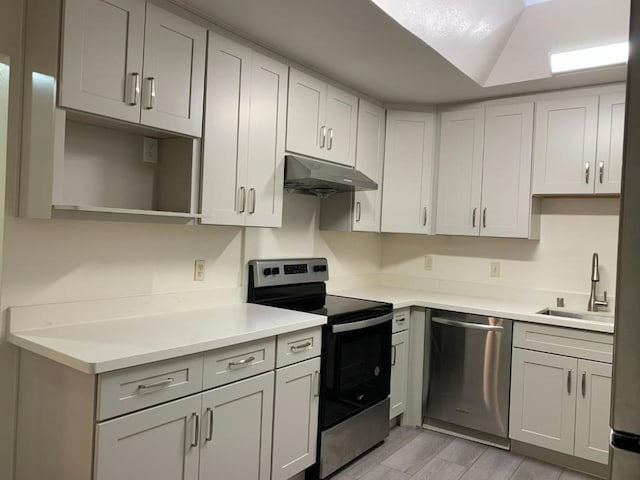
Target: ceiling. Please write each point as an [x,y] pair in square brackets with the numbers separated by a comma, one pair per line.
[356,43]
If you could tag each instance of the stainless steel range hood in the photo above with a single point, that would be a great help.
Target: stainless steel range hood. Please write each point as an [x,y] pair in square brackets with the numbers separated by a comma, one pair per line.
[315,177]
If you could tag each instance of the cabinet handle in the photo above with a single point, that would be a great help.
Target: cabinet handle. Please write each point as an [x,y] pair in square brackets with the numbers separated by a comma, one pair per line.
[134,89]
[400,319]
[161,383]
[151,93]
[473,221]
[242,363]
[316,383]
[209,435]
[587,172]
[243,199]
[299,348]
[252,196]
[584,384]
[196,429]
[330,142]
[601,168]
[394,351]
[569,382]
[358,211]
[323,136]
[484,218]
[424,216]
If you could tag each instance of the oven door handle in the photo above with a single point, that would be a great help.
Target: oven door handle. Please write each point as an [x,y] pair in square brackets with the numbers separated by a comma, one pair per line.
[474,326]
[370,322]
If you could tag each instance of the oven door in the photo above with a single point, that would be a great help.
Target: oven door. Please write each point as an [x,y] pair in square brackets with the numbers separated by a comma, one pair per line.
[357,367]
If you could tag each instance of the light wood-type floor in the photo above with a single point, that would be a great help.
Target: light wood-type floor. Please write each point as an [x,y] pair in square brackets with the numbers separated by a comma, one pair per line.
[415,454]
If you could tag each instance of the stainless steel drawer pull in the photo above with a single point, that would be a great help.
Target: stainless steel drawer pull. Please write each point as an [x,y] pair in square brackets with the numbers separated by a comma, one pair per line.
[584,384]
[243,199]
[587,172]
[330,142]
[473,326]
[400,319]
[299,348]
[242,363]
[473,220]
[601,168]
[484,218]
[209,435]
[162,383]
[151,94]
[424,217]
[394,352]
[316,383]
[358,211]
[134,89]
[569,382]
[196,429]
[252,193]
[323,136]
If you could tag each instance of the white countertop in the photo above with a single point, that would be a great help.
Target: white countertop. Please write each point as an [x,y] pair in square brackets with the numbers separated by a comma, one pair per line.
[400,298]
[110,344]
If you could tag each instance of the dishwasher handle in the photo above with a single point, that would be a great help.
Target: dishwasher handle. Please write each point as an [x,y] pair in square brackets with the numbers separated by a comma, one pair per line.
[474,326]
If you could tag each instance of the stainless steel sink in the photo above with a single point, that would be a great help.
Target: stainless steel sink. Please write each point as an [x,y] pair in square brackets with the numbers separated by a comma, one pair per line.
[594,317]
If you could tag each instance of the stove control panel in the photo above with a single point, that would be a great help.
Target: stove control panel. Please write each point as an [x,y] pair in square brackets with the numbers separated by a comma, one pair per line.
[269,273]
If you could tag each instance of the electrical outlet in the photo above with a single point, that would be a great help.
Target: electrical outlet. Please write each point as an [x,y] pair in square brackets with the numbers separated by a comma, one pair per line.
[428,262]
[198,271]
[150,150]
[495,269]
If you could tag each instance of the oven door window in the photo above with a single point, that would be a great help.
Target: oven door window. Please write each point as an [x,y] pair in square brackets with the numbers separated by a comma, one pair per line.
[357,373]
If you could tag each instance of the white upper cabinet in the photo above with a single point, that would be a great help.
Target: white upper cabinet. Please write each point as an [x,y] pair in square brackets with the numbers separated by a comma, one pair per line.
[322,120]
[506,171]
[610,143]
[407,197]
[484,178]
[103,45]
[173,83]
[369,160]
[565,145]
[243,154]
[460,172]
[102,69]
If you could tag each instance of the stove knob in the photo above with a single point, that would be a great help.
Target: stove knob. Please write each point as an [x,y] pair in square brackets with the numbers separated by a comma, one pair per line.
[275,271]
[317,268]
[266,272]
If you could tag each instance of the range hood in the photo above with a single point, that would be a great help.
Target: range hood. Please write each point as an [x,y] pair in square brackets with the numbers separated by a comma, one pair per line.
[315,177]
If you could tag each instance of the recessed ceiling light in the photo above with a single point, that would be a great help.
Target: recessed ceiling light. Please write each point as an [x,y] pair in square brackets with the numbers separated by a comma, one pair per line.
[613,54]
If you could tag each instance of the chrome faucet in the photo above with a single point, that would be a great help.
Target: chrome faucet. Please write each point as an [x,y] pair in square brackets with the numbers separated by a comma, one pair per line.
[594,303]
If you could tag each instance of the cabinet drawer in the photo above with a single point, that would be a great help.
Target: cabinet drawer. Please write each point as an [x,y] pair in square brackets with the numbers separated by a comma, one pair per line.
[564,341]
[234,363]
[401,317]
[124,391]
[295,347]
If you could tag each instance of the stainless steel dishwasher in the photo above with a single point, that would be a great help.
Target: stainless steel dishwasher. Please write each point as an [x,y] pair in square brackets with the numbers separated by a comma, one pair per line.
[469,373]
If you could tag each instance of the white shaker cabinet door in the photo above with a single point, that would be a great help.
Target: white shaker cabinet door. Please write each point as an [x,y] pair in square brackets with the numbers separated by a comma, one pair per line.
[399,372]
[460,172]
[565,146]
[506,171]
[173,73]
[593,410]
[236,430]
[226,126]
[306,113]
[610,143]
[102,49]
[266,141]
[342,126]
[295,424]
[408,173]
[543,399]
[157,443]
[369,160]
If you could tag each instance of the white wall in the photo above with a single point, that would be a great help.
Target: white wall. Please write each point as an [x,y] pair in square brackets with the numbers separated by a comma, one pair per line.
[557,265]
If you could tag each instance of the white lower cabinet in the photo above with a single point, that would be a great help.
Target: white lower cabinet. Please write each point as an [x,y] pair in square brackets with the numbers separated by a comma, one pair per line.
[295,423]
[399,372]
[157,443]
[560,402]
[236,430]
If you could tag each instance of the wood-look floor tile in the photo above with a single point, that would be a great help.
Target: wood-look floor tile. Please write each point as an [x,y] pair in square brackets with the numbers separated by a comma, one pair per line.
[385,473]
[462,452]
[439,469]
[493,464]
[531,469]
[417,453]
[571,475]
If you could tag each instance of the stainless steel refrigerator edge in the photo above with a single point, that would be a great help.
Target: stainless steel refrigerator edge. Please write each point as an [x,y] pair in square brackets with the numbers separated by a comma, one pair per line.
[625,417]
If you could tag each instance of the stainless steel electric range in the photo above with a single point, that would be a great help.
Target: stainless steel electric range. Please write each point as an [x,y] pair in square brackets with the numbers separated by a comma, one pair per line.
[356,356]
